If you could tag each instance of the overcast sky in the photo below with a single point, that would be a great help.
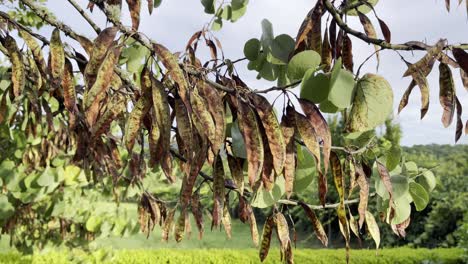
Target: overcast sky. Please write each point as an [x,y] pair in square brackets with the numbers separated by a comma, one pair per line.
[175,21]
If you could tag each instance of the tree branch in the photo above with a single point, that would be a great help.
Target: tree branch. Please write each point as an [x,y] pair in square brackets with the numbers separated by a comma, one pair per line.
[85,16]
[380,42]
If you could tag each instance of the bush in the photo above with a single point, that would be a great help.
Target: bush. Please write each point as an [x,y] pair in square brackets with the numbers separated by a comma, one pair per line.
[170,256]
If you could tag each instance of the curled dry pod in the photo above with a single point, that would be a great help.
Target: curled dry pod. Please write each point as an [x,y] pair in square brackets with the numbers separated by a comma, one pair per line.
[185,131]
[69,94]
[36,51]
[226,221]
[237,173]
[35,74]
[282,231]
[347,53]
[273,131]
[135,120]
[266,237]
[100,48]
[18,77]
[116,106]
[363,183]
[57,56]
[253,227]
[253,141]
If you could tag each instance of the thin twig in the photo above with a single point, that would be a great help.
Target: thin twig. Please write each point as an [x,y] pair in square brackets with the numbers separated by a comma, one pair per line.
[85,16]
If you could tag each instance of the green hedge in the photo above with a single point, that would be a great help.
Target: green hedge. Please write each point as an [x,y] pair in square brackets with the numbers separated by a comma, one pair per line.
[390,256]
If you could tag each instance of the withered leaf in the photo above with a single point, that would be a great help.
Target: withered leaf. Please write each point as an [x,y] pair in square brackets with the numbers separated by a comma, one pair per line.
[99,51]
[316,225]
[321,128]
[36,51]
[134,6]
[253,140]
[197,211]
[385,31]
[57,56]
[347,53]
[170,62]
[424,65]
[18,76]
[168,225]
[462,58]
[162,118]
[218,191]
[135,119]
[421,81]
[204,116]
[216,109]
[459,128]
[363,183]
[288,128]
[266,237]
[370,31]
[273,131]
[68,86]
[179,231]
[309,36]
[327,56]
[446,94]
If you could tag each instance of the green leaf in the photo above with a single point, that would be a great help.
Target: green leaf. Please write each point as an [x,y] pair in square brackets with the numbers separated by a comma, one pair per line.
[419,195]
[209,6]
[427,180]
[264,198]
[217,24]
[393,157]
[226,12]
[280,49]
[400,185]
[238,13]
[7,170]
[268,71]
[267,35]
[410,168]
[93,223]
[238,147]
[373,228]
[47,177]
[6,209]
[252,49]
[327,107]
[402,210]
[363,8]
[301,63]
[372,104]
[315,88]
[71,174]
[238,4]
[157,3]
[342,86]
[305,170]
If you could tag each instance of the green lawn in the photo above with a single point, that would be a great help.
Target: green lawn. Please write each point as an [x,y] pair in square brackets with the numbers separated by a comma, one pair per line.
[390,256]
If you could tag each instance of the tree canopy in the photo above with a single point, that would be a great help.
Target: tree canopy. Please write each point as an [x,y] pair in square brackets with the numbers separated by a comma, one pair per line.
[115,114]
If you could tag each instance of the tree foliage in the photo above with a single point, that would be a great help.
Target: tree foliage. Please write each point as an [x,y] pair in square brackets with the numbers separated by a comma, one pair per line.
[113,114]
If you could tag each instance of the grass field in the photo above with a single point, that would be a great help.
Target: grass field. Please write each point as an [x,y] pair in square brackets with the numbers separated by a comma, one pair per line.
[390,256]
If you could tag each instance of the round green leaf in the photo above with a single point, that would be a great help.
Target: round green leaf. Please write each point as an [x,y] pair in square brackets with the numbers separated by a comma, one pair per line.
[217,24]
[280,49]
[419,195]
[301,63]
[264,198]
[411,168]
[315,88]
[305,170]
[393,157]
[47,177]
[342,86]
[372,103]
[267,35]
[268,72]
[238,13]
[252,49]
[363,8]
[427,180]
[94,223]
[6,209]
[400,186]
[327,107]
[209,6]
[402,211]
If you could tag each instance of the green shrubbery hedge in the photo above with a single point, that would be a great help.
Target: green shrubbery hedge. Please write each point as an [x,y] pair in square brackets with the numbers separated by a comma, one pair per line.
[390,256]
